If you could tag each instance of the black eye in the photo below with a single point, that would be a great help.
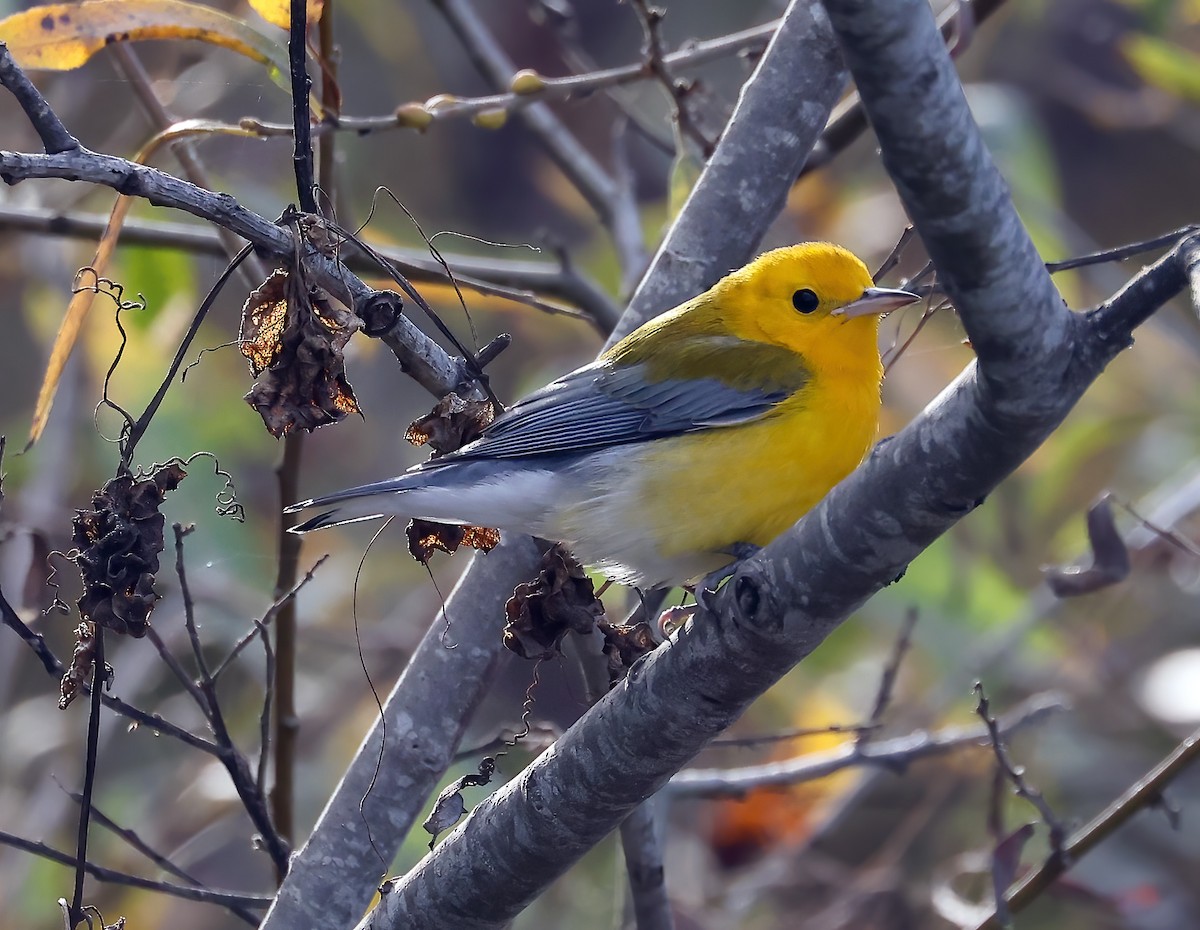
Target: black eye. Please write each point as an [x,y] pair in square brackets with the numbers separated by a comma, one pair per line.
[805,301]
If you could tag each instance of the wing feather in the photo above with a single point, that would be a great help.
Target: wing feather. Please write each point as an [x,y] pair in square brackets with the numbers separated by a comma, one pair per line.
[600,405]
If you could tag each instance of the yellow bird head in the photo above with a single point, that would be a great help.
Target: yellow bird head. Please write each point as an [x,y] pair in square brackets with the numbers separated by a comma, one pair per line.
[815,299]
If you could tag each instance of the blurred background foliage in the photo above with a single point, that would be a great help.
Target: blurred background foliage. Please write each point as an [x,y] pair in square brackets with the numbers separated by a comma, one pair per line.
[1090,107]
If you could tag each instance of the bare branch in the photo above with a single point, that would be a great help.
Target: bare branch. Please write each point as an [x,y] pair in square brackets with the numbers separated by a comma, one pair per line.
[642,845]
[779,115]
[224,898]
[898,752]
[1146,792]
[49,127]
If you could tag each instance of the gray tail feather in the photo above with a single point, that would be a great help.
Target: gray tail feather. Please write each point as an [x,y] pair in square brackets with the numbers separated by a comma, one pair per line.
[361,503]
[335,517]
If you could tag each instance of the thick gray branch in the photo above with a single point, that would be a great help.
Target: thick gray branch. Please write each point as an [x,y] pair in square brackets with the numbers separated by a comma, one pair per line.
[781,604]
[775,611]
[953,192]
[778,119]
[332,877]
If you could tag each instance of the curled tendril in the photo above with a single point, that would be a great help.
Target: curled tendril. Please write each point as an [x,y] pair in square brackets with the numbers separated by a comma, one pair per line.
[227,502]
[526,708]
[203,352]
[115,292]
[58,604]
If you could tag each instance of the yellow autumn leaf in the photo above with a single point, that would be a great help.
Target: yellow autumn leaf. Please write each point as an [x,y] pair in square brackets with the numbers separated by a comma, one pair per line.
[279,12]
[83,298]
[62,36]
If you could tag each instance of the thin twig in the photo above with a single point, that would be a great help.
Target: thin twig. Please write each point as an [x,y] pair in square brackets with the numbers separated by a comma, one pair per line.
[651,19]
[224,898]
[887,681]
[177,669]
[265,621]
[189,608]
[227,752]
[893,753]
[265,717]
[1120,253]
[1145,792]
[99,681]
[752,39]
[747,742]
[164,863]
[1016,775]
[44,120]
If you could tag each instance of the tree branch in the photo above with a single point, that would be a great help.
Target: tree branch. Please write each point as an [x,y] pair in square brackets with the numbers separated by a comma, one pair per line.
[779,115]
[780,605]
[381,794]
[891,753]
[337,860]
[486,275]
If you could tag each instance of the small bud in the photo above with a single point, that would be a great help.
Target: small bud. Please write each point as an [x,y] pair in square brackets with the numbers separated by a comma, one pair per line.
[490,119]
[413,116]
[527,81]
[433,104]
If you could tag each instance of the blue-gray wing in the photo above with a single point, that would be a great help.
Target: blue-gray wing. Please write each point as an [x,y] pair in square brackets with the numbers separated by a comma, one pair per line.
[599,406]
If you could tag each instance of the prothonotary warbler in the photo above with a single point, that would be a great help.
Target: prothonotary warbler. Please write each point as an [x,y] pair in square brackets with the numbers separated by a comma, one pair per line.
[704,433]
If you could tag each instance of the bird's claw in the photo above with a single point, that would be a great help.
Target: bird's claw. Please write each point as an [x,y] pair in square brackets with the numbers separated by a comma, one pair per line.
[712,581]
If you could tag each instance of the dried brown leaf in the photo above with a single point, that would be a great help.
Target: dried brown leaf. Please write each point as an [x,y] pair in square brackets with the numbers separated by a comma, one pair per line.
[426,537]
[118,541]
[451,424]
[540,613]
[294,337]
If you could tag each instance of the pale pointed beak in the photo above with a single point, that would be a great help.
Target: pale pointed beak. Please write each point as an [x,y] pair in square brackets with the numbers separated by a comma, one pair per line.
[877,300]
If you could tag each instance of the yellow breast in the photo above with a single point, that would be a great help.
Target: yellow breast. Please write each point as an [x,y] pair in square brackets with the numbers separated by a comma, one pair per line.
[749,483]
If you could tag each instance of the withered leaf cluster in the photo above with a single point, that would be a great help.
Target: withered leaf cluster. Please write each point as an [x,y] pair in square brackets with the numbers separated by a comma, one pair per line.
[82,659]
[451,424]
[541,612]
[117,544]
[294,337]
[426,537]
[624,644]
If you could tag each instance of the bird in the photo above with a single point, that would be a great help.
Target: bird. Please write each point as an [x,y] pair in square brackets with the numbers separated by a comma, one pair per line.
[695,440]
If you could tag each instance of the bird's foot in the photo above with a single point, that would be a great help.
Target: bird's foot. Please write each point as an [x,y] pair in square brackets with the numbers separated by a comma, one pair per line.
[709,584]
